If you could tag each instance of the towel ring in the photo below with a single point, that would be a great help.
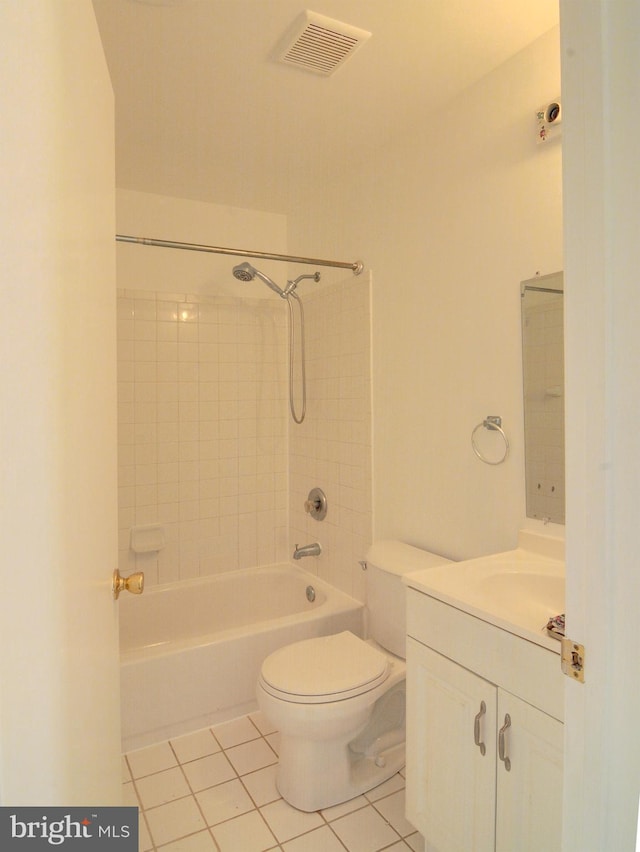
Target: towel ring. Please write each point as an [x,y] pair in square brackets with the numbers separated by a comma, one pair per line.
[494,424]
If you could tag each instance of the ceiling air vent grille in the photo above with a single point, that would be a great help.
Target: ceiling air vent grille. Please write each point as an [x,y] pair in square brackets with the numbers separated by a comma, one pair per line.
[321,45]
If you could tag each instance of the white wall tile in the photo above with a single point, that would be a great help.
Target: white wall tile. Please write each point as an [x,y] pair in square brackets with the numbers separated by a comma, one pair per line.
[188,367]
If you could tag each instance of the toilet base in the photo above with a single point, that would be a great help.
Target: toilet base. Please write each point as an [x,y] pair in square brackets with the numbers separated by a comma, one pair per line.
[335,778]
[320,771]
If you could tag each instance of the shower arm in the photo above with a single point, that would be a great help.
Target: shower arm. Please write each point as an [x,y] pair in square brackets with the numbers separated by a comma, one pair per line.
[291,285]
[355,267]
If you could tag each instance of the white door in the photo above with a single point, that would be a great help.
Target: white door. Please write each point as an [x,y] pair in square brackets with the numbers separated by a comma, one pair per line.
[601,180]
[59,713]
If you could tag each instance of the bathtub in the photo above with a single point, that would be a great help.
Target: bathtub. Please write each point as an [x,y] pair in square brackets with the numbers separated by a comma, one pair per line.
[191,651]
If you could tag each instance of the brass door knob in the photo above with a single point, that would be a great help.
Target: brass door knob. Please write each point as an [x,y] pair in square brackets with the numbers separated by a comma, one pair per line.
[134,583]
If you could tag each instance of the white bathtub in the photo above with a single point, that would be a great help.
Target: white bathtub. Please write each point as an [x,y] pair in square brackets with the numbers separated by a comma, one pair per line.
[191,651]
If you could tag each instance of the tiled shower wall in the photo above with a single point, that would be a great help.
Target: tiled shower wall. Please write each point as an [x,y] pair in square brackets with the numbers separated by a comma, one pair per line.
[202,432]
[207,448]
[332,448]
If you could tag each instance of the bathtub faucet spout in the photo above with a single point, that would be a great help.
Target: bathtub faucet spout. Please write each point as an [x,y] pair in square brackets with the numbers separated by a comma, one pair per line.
[307,550]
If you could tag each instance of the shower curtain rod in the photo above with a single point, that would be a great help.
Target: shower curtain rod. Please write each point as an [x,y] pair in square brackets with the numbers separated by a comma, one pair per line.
[356,267]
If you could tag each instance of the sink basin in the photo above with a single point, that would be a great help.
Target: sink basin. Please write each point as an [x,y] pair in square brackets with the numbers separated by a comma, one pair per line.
[511,590]
[518,590]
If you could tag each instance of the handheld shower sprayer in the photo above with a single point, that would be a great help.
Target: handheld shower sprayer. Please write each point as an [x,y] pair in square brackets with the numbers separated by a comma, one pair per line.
[246,272]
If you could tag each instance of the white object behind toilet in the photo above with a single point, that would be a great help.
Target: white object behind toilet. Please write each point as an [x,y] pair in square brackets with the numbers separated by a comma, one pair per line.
[387,561]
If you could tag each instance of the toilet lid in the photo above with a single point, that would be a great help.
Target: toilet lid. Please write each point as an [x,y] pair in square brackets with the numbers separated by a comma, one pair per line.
[328,668]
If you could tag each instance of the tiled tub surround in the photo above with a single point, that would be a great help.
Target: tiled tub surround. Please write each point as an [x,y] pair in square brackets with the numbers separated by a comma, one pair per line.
[202,431]
[207,447]
[214,791]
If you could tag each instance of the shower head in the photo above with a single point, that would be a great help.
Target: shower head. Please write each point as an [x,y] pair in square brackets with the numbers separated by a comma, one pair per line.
[246,272]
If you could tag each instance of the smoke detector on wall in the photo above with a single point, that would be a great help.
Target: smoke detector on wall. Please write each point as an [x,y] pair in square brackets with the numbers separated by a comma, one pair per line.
[320,44]
[549,118]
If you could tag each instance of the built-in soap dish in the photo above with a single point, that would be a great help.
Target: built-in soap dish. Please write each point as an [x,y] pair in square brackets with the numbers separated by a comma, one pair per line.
[147,538]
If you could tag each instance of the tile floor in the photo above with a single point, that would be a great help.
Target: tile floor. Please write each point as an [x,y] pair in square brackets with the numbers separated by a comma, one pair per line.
[214,791]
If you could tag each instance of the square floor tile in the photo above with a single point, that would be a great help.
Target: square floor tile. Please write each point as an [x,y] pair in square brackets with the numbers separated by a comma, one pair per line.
[392,809]
[235,732]
[224,801]
[247,833]
[208,771]
[129,796]
[192,746]
[396,782]
[251,756]
[287,822]
[200,842]
[262,785]
[318,840]
[344,808]
[154,758]
[274,741]
[262,723]
[144,838]
[162,787]
[364,831]
[174,820]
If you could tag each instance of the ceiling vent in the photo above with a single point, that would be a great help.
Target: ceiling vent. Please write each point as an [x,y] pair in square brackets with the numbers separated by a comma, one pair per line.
[321,45]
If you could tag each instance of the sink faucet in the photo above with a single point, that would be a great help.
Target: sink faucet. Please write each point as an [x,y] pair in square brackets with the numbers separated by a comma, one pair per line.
[307,550]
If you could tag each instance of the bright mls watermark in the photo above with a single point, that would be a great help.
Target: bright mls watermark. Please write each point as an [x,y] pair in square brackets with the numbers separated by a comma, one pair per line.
[102,829]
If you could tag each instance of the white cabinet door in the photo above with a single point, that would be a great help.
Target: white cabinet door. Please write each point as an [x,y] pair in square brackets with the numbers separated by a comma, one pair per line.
[450,783]
[529,813]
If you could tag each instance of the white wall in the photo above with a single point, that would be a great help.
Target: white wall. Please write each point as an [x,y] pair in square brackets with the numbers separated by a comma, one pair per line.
[450,222]
[143,214]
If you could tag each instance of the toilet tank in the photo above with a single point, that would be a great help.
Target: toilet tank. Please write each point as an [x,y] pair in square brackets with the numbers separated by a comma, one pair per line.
[387,562]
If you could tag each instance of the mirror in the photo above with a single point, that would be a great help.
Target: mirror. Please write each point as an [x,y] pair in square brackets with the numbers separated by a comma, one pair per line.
[543,386]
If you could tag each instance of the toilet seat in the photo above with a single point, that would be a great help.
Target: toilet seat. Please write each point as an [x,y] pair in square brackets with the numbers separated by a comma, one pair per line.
[324,669]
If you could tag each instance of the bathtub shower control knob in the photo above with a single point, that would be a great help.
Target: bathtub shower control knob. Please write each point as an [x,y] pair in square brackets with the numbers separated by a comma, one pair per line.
[134,583]
[316,504]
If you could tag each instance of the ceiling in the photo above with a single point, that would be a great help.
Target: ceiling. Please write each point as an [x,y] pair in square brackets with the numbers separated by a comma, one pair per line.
[204,111]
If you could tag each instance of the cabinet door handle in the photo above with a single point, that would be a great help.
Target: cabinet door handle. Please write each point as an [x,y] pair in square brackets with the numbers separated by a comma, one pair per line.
[501,742]
[476,728]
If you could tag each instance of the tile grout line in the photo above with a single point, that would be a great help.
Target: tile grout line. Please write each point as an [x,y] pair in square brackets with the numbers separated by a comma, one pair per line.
[141,810]
[260,736]
[193,795]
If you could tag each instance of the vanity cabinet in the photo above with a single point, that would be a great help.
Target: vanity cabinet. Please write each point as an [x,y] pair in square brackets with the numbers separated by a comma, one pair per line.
[484,734]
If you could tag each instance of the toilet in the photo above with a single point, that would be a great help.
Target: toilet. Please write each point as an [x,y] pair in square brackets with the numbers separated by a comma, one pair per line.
[339,701]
